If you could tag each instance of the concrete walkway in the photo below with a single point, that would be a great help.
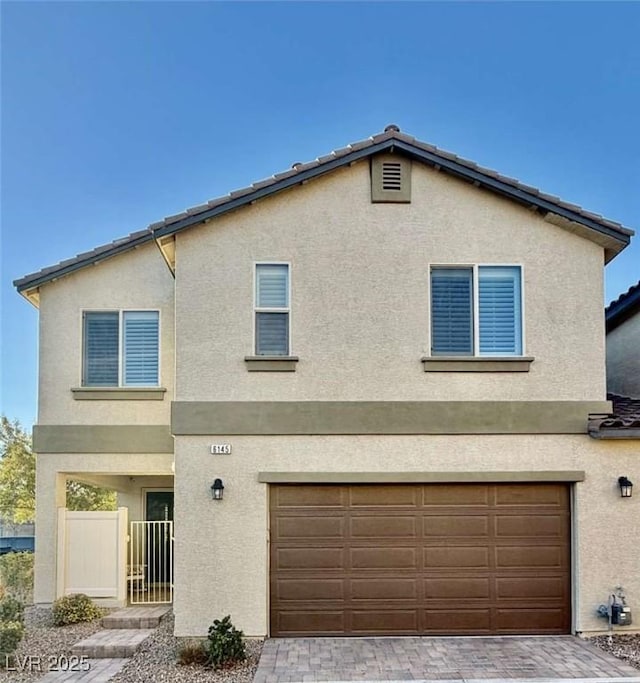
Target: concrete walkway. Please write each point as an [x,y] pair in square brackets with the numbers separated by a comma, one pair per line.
[452,660]
[100,656]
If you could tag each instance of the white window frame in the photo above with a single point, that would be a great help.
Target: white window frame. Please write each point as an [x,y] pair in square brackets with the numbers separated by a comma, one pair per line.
[120,312]
[475,267]
[262,309]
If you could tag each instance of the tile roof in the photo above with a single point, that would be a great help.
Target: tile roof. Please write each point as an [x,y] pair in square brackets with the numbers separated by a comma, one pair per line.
[390,139]
[624,422]
[623,307]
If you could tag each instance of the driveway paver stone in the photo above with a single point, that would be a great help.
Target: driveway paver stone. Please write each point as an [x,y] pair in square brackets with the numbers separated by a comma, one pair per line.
[298,660]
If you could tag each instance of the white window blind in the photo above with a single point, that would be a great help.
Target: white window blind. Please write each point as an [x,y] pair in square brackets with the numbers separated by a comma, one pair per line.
[120,348]
[498,327]
[499,310]
[140,348]
[272,309]
[101,348]
[452,311]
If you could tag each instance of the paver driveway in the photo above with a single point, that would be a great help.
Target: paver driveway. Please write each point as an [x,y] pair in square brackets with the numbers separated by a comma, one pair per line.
[445,659]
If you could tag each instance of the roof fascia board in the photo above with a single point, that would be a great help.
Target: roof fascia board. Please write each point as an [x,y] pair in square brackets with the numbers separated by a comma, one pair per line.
[24,283]
[506,189]
[621,311]
[283,184]
[430,158]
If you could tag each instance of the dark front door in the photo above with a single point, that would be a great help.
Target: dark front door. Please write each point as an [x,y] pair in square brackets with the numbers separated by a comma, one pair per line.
[159,505]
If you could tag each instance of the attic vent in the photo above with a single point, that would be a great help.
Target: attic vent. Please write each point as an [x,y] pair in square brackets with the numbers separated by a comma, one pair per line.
[390,179]
[392,176]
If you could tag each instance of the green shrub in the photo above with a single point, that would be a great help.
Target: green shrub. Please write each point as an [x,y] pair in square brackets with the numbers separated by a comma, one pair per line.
[225,646]
[72,609]
[192,653]
[11,609]
[11,633]
[16,576]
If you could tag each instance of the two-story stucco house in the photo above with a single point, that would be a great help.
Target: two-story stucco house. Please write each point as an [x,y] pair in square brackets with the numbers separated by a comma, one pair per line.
[384,362]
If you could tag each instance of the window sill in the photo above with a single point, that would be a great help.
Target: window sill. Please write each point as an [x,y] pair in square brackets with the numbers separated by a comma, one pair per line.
[271,363]
[118,393]
[477,363]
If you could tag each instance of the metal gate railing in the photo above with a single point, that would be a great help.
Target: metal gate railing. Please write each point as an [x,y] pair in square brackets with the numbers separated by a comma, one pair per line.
[150,563]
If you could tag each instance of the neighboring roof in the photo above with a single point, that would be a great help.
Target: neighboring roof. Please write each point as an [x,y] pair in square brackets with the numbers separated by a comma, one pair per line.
[625,306]
[623,423]
[611,235]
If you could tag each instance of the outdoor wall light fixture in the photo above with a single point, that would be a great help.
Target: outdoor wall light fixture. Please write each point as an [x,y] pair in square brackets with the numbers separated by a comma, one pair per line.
[626,487]
[217,489]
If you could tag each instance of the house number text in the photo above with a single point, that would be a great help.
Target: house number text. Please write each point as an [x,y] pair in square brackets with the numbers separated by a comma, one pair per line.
[221,448]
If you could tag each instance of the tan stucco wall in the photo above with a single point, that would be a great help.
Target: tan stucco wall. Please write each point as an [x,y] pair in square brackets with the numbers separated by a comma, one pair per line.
[360,293]
[135,280]
[221,556]
[623,358]
[51,474]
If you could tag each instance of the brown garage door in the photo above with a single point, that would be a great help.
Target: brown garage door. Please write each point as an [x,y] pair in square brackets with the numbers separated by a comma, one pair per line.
[452,559]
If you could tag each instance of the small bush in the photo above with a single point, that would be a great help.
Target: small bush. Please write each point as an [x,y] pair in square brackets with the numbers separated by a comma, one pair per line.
[16,576]
[193,653]
[11,633]
[72,609]
[11,609]
[225,646]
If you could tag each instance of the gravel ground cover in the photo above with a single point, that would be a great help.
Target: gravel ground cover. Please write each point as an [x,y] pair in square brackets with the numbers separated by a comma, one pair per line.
[155,661]
[623,646]
[45,644]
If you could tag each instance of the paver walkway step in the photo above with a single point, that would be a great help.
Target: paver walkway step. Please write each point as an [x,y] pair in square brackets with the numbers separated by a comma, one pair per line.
[111,643]
[95,671]
[136,617]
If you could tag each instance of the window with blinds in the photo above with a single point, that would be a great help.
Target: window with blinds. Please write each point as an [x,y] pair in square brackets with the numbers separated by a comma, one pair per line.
[272,309]
[121,348]
[476,311]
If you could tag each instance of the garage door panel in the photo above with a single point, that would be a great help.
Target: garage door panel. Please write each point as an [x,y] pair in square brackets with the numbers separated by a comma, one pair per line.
[384,495]
[420,559]
[456,557]
[308,558]
[452,526]
[533,620]
[381,558]
[384,527]
[303,622]
[391,588]
[530,556]
[457,588]
[310,527]
[538,526]
[391,621]
[539,496]
[308,496]
[457,620]
[456,494]
[531,587]
[309,589]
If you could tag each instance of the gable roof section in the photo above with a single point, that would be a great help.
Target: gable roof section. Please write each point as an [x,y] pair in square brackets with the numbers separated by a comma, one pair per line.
[611,235]
[623,308]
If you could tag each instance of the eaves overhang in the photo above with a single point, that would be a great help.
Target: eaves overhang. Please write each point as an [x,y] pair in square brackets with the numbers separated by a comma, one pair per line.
[612,236]
[623,308]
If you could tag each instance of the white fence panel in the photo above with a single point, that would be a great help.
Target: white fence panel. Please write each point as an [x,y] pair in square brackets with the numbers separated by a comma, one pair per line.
[150,564]
[92,550]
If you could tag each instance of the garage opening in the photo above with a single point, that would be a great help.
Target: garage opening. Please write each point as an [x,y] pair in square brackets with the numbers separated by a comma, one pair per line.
[432,559]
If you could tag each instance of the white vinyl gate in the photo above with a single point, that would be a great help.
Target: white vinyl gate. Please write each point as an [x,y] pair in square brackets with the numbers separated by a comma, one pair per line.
[150,562]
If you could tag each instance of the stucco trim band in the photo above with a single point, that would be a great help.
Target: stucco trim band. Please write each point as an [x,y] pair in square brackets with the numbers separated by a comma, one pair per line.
[475,364]
[382,417]
[417,477]
[118,393]
[102,439]
[271,363]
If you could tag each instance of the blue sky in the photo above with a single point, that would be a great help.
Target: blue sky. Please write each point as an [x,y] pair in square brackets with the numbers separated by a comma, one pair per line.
[117,114]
